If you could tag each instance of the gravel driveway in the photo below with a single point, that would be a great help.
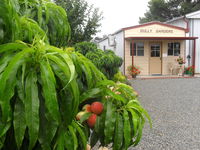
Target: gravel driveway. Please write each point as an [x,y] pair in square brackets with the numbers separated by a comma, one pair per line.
[174,106]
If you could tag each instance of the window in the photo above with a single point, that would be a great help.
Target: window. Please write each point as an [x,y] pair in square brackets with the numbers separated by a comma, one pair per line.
[155,50]
[104,47]
[138,49]
[174,49]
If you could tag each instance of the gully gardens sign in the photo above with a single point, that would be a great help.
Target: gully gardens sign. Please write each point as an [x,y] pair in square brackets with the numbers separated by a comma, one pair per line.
[155,31]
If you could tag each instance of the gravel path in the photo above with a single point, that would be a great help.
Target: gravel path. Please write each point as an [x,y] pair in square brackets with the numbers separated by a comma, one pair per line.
[174,106]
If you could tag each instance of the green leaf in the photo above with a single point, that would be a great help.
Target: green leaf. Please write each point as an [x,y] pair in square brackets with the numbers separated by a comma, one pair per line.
[4,61]
[127,130]
[109,122]
[85,117]
[142,111]
[91,93]
[69,144]
[9,47]
[139,135]
[102,125]
[88,73]
[67,60]
[69,96]
[94,139]
[60,142]
[7,85]
[49,90]
[2,140]
[135,120]
[118,135]
[141,122]
[19,122]
[73,134]
[81,133]
[115,96]
[48,126]
[32,108]
[97,124]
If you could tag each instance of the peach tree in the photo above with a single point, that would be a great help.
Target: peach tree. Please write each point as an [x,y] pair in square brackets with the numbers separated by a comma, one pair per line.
[44,87]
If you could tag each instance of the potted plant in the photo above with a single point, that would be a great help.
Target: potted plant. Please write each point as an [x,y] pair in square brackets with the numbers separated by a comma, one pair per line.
[189,70]
[133,70]
[180,60]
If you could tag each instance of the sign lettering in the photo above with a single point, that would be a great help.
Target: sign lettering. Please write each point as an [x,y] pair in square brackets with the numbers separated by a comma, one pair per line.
[156,31]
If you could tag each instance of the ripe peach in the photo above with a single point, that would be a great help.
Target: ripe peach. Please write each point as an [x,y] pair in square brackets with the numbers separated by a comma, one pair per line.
[80,114]
[87,108]
[97,108]
[92,120]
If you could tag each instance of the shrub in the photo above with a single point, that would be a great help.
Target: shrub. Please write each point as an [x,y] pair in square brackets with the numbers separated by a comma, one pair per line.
[119,77]
[85,47]
[106,61]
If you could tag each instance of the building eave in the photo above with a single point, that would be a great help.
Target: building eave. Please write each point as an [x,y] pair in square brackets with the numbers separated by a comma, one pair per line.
[161,38]
[192,14]
[152,23]
[175,19]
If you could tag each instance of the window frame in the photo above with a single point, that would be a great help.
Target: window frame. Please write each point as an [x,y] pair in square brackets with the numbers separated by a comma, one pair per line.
[172,47]
[137,48]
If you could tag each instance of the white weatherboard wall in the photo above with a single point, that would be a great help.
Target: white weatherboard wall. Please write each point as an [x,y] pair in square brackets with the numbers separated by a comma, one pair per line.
[105,43]
[194,31]
[179,23]
[119,49]
[194,26]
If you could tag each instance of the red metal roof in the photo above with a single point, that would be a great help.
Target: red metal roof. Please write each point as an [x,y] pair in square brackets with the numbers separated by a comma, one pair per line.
[162,38]
[155,22]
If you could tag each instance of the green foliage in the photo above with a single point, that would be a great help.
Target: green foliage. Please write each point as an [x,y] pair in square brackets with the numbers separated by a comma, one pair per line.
[23,20]
[42,86]
[106,61]
[50,17]
[119,77]
[83,18]
[163,10]
[85,47]
[122,117]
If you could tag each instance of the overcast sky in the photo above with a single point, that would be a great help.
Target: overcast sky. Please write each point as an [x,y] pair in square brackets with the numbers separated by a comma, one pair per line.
[119,13]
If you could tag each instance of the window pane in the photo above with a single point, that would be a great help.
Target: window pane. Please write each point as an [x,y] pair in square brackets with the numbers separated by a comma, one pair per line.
[171,45]
[134,45]
[176,52]
[177,45]
[170,52]
[153,53]
[131,49]
[140,45]
[140,53]
[157,53]
[140,49]
[170,49]
[176,49]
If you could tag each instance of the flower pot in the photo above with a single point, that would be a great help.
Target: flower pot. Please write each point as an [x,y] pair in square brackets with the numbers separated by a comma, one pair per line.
[134,76]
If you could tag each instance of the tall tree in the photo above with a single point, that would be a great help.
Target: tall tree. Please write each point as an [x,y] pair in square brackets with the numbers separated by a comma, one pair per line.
[84,19]
[162,10]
